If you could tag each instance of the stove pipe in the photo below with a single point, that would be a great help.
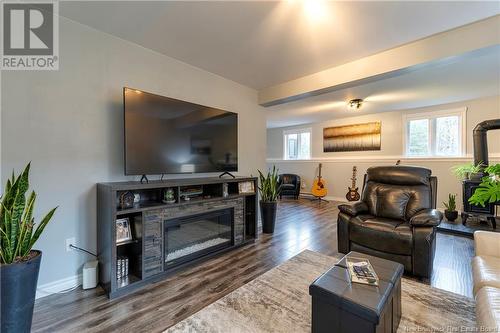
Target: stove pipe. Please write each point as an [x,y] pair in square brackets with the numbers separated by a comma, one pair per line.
[480,140]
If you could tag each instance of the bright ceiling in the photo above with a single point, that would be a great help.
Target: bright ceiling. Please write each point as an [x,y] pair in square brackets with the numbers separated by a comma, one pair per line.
[464,79]
[259,43]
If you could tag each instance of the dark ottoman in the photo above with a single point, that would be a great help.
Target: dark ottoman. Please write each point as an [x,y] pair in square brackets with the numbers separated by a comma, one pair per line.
[343,307]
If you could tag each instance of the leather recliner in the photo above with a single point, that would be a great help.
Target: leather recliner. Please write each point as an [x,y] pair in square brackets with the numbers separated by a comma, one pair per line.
[289,185]
[395,218]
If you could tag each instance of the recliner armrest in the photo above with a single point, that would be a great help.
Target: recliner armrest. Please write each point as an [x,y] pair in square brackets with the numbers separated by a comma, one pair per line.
[487,243]
[427,218]
[354,209]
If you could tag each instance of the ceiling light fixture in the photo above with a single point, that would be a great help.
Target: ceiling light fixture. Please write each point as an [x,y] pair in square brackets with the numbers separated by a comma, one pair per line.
[315,9]
[355,103]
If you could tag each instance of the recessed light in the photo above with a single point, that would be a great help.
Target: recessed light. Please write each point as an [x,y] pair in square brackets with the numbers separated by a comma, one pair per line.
[355,103]
[314,9]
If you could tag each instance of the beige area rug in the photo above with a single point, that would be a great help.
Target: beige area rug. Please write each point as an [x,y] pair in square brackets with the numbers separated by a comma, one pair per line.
[279,301]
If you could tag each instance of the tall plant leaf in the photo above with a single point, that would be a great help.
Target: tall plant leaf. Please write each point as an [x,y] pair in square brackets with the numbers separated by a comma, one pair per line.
[16,219]
[40,229]
[269,185]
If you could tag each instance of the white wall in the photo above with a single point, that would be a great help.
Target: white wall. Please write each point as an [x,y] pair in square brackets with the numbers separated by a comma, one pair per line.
[69,124]
[337,167]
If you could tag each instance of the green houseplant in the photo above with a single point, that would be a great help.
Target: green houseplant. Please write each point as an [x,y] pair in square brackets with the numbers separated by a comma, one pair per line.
[467,170]
[269,191]
[19,263]
[489,189]
[451,208]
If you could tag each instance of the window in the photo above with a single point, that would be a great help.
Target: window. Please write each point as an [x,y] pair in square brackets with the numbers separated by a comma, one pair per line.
[297,144]
[439,134]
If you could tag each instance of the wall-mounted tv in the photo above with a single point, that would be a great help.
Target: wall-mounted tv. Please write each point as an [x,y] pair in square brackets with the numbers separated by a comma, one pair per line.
[165,135]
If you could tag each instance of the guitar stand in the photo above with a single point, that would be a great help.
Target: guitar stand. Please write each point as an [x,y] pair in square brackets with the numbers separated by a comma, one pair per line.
[319,199]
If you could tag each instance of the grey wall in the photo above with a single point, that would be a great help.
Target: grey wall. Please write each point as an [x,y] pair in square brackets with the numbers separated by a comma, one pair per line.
[337,167]
[69,124]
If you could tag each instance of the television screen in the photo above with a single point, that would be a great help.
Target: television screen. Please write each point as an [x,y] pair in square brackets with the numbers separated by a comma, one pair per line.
[166,135]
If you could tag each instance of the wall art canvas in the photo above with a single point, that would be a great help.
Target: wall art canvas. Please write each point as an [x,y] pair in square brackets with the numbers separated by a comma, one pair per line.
[358,137]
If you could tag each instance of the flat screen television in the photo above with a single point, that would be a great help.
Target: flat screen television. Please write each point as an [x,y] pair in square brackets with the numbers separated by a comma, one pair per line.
[165,135]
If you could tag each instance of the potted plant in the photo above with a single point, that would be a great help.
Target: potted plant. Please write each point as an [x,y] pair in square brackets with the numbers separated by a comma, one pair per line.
[467,171]
[269,192]
[450,212]
[489,189]
[19,264]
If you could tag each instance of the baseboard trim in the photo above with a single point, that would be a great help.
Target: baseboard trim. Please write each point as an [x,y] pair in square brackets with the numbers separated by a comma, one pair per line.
[329,198]
[58,286]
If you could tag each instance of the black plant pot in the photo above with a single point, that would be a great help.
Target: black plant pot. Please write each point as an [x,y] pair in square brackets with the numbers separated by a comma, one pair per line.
[18,290]
[268,216]
[451,215]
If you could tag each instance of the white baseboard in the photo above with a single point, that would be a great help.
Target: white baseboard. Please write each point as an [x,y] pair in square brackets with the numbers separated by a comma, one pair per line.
[58,286]
[339,199]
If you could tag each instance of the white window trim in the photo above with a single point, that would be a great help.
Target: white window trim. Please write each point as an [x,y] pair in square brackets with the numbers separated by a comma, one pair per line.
[461,112]
[297,131]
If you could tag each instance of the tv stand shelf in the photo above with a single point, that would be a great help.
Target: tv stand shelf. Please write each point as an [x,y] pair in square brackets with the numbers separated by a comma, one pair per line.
[150,221]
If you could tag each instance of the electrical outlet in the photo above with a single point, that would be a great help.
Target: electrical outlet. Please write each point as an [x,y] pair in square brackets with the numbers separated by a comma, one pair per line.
[68,242]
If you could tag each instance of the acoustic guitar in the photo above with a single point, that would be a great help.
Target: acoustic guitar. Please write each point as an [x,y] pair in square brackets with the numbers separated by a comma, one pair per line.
[319,186]
[353,194]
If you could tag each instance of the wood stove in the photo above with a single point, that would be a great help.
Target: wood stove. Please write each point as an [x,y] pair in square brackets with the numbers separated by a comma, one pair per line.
[469,186]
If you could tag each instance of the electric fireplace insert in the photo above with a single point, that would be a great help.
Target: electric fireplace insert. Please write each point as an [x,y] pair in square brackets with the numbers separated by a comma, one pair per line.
[188,238]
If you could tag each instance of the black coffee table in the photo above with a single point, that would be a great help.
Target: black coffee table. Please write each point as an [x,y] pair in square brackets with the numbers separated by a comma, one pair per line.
[344,307]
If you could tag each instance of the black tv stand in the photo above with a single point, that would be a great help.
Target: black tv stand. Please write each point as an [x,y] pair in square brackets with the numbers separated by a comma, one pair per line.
[226,173]
[144,178]
[151,224]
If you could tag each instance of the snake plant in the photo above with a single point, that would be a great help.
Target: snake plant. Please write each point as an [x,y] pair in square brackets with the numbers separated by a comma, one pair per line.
[17,224]
[269,185]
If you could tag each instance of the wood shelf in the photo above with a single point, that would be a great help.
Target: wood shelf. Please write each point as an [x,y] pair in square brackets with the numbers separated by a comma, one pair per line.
[127,281]
[132,241]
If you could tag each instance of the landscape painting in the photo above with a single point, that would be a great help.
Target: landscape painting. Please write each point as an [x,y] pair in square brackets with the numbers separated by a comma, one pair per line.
[358,137]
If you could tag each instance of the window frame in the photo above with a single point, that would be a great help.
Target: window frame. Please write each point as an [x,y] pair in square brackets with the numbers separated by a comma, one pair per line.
[432,116]
[297,131]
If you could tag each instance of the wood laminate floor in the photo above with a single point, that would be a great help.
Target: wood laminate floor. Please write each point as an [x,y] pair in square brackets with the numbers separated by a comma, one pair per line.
[301,225]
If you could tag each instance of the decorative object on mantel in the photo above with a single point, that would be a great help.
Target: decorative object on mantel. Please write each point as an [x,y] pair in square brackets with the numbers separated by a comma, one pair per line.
[123,232]
[269,191]
[127,200]
[19,263]
[169,196]
[137,198]
[358,137]
[246,187]
[451,212]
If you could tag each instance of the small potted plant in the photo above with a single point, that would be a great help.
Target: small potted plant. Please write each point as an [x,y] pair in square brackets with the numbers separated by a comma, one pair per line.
[450,212]
[269,192]
[19,263]
[467,171]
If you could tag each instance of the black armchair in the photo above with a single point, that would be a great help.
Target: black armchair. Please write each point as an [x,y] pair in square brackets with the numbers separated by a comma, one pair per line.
[289,184]
[395,218]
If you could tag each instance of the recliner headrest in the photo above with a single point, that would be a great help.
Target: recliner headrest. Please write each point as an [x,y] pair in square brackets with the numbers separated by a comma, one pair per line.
[399,175]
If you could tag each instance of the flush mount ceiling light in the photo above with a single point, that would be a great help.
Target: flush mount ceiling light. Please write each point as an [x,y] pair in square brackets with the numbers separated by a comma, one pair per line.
[355,103]
[315,9]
